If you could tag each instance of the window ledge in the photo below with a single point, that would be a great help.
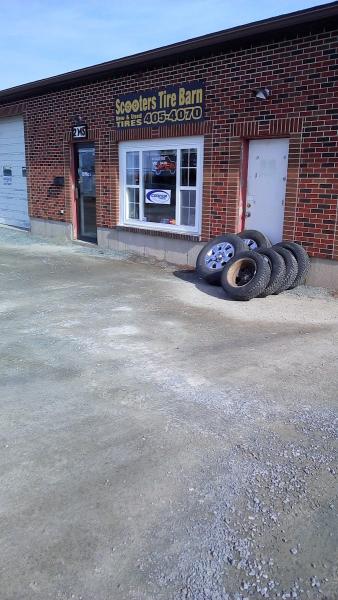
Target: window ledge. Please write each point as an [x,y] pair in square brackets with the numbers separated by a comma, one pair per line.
[179,235]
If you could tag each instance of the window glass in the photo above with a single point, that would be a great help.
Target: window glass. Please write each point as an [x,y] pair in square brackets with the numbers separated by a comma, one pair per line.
[159,186]
[133,203]
[133,168]
[188,207]
[86,171]
[188,167]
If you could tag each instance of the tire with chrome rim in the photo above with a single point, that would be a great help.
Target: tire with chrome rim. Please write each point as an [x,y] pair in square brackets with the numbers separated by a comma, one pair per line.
[246,275]
[216,254]
[255,239]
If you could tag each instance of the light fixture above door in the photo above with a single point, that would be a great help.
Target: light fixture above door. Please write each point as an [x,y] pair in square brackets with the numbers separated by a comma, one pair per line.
[261,93]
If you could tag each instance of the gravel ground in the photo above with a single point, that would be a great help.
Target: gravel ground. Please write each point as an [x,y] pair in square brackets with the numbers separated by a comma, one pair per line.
[158,441]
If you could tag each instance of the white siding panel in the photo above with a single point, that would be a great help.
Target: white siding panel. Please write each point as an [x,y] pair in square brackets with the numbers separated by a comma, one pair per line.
[13,190]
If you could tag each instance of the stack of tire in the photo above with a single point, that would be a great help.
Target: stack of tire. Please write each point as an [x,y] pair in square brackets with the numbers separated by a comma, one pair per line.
[248,266]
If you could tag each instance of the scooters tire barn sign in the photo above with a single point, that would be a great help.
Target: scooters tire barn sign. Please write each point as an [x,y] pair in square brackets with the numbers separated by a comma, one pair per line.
[174,104]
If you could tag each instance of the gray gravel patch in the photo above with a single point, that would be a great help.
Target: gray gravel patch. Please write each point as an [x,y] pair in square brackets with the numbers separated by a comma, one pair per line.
[157,441]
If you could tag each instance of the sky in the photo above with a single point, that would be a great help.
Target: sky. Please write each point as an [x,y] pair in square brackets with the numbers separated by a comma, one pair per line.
[41,38]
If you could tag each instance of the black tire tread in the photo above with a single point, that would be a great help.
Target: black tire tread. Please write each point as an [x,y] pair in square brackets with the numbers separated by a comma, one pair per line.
[303,261]
[278,271]
[291,268]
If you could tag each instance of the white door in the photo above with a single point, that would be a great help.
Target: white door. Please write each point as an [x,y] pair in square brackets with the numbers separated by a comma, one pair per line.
[265,197]
[13,182]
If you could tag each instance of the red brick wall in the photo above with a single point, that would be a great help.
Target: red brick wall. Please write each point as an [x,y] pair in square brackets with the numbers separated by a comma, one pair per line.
[301,73]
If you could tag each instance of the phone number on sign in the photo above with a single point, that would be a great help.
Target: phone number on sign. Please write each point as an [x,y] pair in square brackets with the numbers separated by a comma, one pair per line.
[176,114]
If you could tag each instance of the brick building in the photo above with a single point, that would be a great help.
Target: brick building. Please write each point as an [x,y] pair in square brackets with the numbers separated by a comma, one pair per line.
[160,151]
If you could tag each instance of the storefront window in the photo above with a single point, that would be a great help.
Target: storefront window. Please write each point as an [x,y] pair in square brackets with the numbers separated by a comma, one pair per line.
[161,186]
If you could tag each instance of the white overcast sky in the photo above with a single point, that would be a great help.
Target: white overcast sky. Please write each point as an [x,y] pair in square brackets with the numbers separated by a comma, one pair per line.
[40,38]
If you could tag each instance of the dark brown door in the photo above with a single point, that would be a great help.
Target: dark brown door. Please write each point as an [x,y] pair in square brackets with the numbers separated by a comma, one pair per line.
[86,192]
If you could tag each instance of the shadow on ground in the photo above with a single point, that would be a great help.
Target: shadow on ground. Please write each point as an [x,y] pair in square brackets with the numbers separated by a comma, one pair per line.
[191,276]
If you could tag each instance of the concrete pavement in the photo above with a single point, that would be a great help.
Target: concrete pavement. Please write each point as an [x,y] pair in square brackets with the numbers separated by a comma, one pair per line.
[158,441]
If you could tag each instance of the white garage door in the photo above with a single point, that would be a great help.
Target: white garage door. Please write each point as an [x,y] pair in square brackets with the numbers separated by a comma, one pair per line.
[13,182]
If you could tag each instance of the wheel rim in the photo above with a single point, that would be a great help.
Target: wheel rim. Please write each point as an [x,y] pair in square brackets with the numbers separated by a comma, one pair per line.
[251,243]
[219,255]
[242,272]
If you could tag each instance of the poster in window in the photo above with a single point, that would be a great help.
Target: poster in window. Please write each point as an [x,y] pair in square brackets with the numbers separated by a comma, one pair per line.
[7,175]
[156,196]
[163,165]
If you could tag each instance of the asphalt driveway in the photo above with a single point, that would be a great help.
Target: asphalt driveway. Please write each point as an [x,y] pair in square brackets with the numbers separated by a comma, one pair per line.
[158,441]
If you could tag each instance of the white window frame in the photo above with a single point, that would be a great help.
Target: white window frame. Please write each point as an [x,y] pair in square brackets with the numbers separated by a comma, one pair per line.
[178,144]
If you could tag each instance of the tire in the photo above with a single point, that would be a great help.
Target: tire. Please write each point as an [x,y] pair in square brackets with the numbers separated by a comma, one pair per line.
[278,271]
[291,268]
[255,239]
[246,275]
[222,249]
[303,261]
